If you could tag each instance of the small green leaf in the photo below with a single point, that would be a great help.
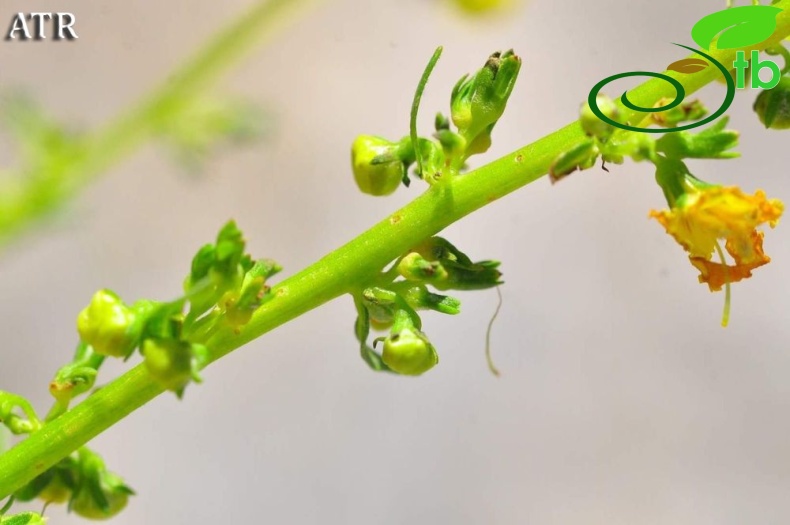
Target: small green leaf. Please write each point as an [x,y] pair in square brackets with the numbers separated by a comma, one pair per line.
[739,27]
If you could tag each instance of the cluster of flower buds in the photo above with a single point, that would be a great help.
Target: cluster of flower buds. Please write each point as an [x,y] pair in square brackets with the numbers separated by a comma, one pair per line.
[603,141]
[613,145]
[477,102]
[225,281]
[393,306]
[83,481]
[225,287]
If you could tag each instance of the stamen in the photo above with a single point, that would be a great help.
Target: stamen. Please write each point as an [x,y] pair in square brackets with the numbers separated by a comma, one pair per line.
[725,316]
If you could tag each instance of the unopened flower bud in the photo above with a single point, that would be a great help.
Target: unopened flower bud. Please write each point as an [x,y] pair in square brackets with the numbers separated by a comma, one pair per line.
[414,267]
[109,326]
[407,350]
[378,164]
[478,101]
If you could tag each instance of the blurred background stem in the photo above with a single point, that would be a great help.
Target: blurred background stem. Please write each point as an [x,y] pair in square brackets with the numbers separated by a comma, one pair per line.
[39,192]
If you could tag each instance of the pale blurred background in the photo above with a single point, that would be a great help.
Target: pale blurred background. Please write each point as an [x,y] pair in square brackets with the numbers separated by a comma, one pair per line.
[622,400]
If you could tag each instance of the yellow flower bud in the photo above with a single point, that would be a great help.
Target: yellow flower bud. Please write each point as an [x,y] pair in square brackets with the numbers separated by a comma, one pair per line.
[408,352]
[378,168]
[107,324]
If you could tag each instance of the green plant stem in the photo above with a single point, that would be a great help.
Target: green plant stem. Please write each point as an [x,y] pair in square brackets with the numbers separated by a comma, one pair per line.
[42,193]
[341,271]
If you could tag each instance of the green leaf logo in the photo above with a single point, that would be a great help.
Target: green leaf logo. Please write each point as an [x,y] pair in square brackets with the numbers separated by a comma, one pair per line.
[739,27]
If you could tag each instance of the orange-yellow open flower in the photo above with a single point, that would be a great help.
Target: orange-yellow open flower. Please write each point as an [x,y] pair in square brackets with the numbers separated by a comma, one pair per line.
[702,216]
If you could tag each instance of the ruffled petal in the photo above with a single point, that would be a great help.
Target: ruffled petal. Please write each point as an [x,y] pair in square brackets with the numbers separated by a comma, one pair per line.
[717,212]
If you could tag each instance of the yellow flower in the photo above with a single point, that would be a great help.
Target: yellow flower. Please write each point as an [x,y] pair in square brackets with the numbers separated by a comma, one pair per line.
[699,218]
[480,6]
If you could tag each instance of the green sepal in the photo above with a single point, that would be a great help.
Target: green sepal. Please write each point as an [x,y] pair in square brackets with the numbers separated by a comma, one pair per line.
[433,161]
[441,122]
[380,307]
[439,263]
[675,180]
[419,298]
[362,331]
[452,143]
[710,143]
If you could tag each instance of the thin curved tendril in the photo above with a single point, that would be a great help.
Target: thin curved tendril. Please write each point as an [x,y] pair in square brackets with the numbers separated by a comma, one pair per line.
[489,359]
[725,316]
[415,105]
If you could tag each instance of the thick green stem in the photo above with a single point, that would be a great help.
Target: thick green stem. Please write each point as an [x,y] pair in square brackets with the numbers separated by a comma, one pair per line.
[339,272]
[43,192]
